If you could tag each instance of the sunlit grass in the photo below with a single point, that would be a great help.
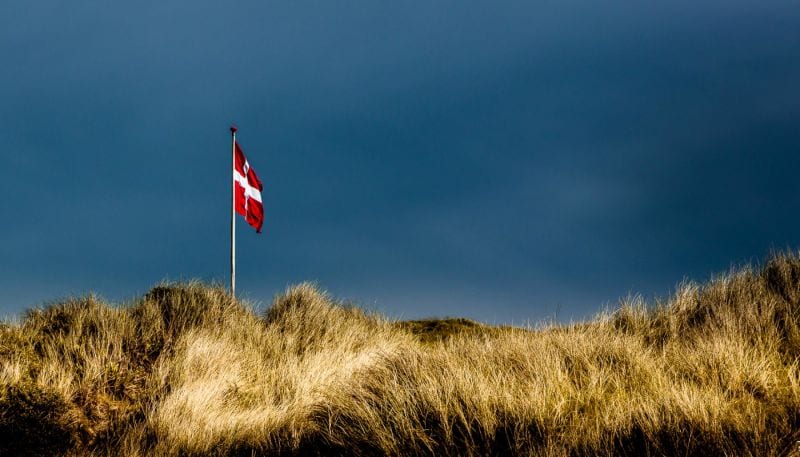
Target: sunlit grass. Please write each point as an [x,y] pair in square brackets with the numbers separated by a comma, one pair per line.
[713,370]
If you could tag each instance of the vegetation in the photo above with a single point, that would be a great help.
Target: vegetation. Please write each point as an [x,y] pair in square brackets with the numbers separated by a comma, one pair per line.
[713,370]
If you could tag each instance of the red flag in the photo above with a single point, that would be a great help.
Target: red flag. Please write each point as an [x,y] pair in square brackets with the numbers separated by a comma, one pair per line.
[248,191]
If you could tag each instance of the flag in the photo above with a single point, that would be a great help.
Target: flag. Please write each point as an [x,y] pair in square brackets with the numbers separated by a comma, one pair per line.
[247,191]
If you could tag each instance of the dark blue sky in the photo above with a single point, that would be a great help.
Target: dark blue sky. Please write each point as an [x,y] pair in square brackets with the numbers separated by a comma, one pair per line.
[505,161]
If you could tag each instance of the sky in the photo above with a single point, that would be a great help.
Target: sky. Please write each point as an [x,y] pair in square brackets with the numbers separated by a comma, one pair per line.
[506,161]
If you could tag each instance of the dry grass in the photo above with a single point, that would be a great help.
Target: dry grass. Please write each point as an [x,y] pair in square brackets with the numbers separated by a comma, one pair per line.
[713,370]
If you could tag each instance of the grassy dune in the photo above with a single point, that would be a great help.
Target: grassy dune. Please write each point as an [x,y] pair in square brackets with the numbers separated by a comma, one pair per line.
[713,370]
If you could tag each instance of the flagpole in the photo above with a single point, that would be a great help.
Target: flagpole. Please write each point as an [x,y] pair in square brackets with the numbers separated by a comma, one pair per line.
[233,215]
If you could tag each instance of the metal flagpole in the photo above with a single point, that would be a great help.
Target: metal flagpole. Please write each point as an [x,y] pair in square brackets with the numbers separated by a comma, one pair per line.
[233,215]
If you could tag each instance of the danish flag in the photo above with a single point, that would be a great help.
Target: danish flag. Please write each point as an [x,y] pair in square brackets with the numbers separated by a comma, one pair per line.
[247,190]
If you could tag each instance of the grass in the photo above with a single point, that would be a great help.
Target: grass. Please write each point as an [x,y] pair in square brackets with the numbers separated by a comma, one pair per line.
[712,370]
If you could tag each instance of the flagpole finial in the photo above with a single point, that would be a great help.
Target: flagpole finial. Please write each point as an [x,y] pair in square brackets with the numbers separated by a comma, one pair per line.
[233,129]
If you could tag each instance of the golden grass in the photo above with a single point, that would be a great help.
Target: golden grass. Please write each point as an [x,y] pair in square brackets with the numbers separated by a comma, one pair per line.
[713,370]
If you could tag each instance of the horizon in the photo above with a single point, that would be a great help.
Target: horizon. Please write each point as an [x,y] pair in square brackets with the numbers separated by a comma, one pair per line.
[260,305]
[506,163]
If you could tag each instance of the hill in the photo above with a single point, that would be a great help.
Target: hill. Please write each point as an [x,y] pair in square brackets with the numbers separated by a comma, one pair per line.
[713,370]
